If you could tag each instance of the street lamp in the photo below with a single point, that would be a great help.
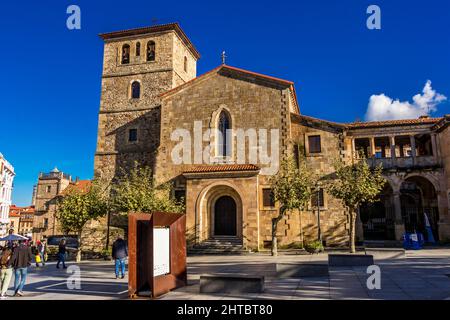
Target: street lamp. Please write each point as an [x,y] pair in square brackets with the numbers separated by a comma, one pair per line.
[319,232]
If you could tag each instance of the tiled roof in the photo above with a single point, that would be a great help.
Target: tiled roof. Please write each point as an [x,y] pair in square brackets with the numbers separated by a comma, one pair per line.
[15,211]
[243,72]
[369,124]
[80,185]
[158,28]
[390,123]
[223,168]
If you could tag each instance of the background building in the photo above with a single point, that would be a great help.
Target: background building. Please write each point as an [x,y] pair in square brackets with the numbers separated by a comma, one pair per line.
[14,218]
[6,186]
[21,220]
[49,186]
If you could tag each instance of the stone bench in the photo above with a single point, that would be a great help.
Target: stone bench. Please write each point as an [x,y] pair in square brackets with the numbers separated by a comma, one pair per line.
[301,270]
[350,260]
[386,253]
[231,283]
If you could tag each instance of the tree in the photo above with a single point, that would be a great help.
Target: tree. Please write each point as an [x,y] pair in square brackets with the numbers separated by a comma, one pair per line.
[291,188]
[355,184]
[137,191]
[77,207]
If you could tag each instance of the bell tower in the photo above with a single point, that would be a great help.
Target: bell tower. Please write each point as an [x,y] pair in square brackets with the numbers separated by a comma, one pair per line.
[138,66]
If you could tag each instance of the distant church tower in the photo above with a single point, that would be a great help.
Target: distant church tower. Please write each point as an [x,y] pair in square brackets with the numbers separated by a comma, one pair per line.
[138,66]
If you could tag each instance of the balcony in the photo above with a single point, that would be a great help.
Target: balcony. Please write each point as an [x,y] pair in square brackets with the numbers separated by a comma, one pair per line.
[403,163]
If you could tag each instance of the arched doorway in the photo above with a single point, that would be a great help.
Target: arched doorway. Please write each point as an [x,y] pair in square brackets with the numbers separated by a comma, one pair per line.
[378,218]
[225,217]
[419,201]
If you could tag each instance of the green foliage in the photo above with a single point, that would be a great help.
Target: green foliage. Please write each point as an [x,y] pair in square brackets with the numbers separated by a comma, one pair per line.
[314,246]
[356,183]
[136,191]
[292,186]
[79,206]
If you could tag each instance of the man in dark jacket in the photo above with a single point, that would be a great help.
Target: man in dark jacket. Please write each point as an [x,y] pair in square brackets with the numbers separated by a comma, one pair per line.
[20,261]
[119,254]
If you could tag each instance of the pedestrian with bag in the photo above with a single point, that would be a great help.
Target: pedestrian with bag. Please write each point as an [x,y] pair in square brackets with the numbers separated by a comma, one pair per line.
[6,271]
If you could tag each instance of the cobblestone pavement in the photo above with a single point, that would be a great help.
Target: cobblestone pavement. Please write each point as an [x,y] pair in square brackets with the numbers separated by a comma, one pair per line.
[423,274]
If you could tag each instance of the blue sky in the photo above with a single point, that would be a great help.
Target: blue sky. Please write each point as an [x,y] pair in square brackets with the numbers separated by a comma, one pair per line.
[50,83]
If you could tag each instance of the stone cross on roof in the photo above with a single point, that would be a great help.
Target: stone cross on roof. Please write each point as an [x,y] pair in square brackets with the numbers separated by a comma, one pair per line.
[223,57]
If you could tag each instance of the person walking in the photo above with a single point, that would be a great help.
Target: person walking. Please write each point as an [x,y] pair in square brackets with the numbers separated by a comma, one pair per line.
[6,271]
[119,254]
[62,253]
[42,249]
[20,261]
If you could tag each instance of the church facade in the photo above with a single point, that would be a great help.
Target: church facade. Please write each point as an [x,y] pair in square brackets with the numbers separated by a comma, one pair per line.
[219,137]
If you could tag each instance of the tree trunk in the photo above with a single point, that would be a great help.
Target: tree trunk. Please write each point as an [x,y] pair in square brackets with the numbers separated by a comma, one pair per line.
[275,221]
[352,230]
[302,240]
[78,259]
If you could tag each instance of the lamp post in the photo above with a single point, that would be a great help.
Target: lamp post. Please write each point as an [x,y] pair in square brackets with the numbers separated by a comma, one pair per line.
[319,232]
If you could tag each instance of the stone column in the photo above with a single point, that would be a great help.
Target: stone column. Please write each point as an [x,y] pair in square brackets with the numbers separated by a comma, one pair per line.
[413,146]
[434,148]
[392,141]
[353,151]
[372,146]
[399,224]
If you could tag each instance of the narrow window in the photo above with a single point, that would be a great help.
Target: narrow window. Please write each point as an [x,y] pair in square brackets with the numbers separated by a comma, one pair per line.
[126,54]
[314,144]
[223,132]
[135,90]
[151,51]
[314,198]
[49,189]
[132,135]
[268,198]
[185,64]
[138,49]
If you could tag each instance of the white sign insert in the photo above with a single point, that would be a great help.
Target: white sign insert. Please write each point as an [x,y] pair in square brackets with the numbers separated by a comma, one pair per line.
[161,251]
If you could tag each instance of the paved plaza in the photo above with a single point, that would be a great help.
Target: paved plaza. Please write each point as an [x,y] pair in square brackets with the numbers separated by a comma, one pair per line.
[423,274]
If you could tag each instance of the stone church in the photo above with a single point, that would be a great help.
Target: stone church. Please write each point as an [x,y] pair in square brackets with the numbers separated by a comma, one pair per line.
[219,137]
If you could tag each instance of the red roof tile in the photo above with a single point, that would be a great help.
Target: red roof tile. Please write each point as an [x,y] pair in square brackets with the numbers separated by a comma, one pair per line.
[401,122]
[223,168]
[80,185]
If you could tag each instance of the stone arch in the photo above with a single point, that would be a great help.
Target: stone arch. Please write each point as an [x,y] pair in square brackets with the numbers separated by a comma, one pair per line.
[204,208]
[419,197]
[427,176]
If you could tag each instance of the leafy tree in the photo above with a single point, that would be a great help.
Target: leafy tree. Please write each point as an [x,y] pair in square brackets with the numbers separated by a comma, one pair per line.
[291,187]
[355,184]
[77,207]
[136,191]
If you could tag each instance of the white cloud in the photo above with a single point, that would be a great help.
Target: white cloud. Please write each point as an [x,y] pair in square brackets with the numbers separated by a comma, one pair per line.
[381,107]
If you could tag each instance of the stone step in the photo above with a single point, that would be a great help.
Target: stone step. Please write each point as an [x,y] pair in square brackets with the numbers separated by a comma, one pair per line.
[200,251]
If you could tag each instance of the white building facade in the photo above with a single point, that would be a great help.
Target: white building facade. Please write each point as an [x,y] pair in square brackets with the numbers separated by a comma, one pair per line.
[6,185]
